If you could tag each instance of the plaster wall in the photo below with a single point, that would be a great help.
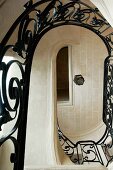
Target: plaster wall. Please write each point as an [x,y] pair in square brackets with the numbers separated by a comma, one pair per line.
[6,150]
[42,109]
[87,58]
[9,12]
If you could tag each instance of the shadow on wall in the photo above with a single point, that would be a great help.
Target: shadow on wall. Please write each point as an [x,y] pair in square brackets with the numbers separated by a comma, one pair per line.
[6,151]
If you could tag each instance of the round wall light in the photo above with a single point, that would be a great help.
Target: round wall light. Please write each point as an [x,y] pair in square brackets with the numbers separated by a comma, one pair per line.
[79,80]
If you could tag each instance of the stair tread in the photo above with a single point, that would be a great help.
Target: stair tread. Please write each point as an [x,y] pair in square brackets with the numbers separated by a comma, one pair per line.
[69,167]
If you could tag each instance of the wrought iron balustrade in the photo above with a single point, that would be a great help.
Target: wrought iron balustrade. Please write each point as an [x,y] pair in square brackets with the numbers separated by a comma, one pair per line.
[87,151]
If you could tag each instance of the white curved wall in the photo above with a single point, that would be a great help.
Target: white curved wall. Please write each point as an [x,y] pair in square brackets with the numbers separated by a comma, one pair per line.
[88,54]
[105,8]
[42,109]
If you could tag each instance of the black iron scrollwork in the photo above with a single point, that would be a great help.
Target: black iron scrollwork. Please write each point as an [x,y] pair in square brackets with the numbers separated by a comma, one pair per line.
[82,151]
[66,144]
[4,116]
[108,94]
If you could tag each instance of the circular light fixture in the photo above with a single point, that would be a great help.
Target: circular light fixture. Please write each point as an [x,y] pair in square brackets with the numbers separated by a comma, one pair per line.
[79,80]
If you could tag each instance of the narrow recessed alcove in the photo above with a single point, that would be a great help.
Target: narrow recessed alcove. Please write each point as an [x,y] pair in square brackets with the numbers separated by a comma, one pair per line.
[62,63]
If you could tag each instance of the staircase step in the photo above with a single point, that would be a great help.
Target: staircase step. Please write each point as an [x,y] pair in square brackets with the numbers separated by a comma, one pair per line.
[72,167]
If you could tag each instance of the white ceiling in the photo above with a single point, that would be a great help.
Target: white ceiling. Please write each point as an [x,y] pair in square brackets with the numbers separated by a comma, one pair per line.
[9,11]
[106,8]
